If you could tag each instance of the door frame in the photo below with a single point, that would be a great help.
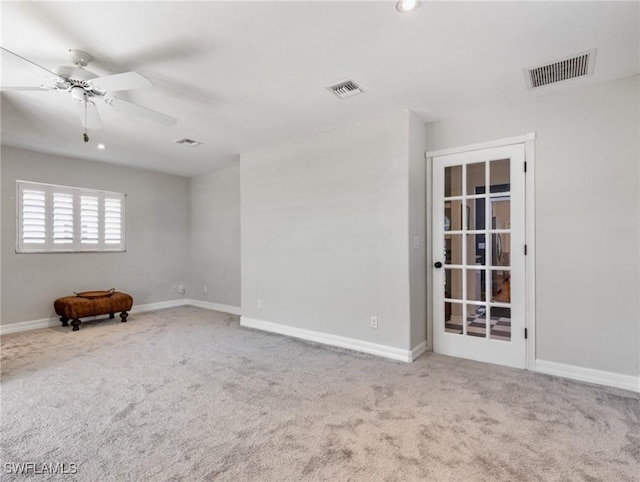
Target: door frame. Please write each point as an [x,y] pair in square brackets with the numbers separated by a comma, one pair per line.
[528,140]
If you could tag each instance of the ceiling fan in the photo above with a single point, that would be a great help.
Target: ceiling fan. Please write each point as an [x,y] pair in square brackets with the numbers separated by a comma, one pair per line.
[86,88]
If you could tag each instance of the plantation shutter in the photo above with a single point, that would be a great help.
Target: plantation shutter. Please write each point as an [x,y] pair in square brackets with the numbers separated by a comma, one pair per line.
[112,221]
[32,209]
[89,220]
[67,219]
[62,218]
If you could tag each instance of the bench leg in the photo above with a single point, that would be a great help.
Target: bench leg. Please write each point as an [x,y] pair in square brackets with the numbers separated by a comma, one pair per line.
[123,316]
[111,316]
[76,324]
[65,321]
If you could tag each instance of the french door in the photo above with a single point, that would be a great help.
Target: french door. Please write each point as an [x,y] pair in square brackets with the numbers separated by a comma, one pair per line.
[479,255]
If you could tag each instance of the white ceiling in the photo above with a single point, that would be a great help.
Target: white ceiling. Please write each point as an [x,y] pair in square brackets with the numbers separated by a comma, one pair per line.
[241,75]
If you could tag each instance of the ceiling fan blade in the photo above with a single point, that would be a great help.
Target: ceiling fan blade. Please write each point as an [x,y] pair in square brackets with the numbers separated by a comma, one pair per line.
[136,109]
[56,76]
[125,81]
[90,118]
[14,88]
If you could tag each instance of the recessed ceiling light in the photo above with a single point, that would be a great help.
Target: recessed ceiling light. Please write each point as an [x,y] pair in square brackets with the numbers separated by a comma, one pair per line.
[405,6]
[101,146]
[188,142]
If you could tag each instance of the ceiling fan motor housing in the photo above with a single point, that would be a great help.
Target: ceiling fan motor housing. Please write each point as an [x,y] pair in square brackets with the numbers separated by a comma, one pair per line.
[74,73]
[78,94]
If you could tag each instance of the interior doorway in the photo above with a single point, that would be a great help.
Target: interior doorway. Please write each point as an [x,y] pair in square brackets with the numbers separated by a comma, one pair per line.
[479,287]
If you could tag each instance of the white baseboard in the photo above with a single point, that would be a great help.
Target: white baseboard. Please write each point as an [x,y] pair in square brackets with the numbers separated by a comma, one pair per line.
[29,325]
[160,305]
[207,305]
[328,339]
[589,375]
[417,351]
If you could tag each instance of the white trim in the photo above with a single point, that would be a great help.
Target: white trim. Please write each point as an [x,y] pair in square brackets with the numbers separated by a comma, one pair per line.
[29,325]
[429,251]
[207,305]
[328,339]
[508,141]
[530,259]
[589,375]
[417,351]
[160,305]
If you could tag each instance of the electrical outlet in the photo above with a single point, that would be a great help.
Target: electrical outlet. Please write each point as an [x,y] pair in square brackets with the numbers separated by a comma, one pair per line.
[374,322]
[181,289]
[174,288]
[259,304]
[204,288]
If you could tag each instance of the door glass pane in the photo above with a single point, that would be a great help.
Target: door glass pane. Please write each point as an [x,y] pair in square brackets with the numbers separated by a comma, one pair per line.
[501,213]
[475,285]
[500,323]
[476,321]
[453,215]
[500,286]
[453,284]
[500,249]
[478,258]
[453,181]
[453,318]
[475,178]
[453,249]
[477,207]
[500,175]
[476,249]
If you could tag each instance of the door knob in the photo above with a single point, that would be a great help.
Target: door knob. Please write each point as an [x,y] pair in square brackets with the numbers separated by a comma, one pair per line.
[437,264]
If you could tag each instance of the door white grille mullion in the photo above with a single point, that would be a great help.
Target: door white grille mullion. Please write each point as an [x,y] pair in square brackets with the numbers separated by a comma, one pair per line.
[488,251]
[463,225]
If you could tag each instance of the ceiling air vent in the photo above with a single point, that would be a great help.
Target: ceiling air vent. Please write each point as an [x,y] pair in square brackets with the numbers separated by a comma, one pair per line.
[566,69]
[187,142]
[345,89]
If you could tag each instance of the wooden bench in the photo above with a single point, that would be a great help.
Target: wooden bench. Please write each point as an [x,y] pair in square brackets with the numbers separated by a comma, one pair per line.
[75,307]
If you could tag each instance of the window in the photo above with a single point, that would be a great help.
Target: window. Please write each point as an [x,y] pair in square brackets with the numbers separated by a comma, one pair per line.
[68,219]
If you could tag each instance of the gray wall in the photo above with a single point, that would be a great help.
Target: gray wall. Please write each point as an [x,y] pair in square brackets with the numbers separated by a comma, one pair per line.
[417,229]
[157,231]
[215,237]
[587,216]
[325,232]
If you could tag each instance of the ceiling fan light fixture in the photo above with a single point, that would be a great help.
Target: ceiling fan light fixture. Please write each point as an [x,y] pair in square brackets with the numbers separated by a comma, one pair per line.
[406,6]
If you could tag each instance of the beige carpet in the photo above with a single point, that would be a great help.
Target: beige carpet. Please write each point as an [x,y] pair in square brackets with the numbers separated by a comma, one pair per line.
[187,394]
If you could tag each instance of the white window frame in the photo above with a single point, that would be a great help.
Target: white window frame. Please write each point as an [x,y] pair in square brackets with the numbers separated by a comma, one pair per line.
[76,246]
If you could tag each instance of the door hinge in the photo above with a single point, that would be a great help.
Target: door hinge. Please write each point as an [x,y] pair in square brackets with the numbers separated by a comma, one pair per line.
[525,249]
[525,166]
[526,334]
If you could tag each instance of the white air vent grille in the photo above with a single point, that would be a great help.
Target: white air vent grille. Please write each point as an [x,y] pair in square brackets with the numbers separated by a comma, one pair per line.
[345,89]
[576,66]
[187,142]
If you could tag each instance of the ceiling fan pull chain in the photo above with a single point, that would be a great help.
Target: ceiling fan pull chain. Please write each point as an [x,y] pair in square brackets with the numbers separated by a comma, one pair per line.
[85,136]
